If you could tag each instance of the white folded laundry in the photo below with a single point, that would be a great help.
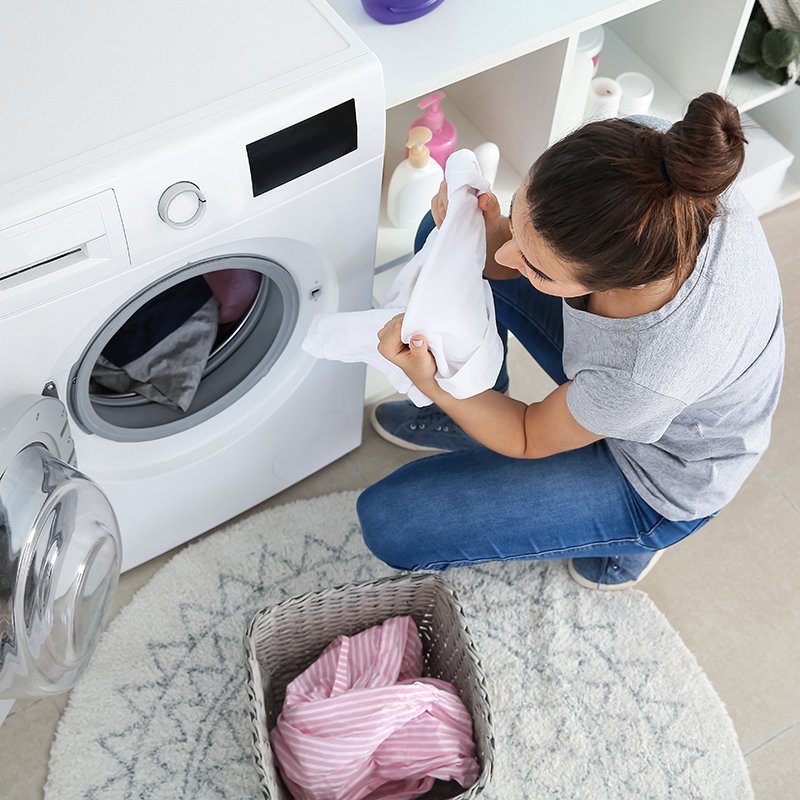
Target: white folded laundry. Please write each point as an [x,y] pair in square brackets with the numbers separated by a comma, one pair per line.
[443,295]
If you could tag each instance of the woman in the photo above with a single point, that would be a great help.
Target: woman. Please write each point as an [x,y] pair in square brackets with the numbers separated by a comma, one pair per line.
[643,284]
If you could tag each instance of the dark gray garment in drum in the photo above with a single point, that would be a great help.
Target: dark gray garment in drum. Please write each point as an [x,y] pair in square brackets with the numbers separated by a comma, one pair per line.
[170,371]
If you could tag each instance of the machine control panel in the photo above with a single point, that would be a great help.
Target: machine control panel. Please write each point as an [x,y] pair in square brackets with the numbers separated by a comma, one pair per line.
[303,147]
[182,205]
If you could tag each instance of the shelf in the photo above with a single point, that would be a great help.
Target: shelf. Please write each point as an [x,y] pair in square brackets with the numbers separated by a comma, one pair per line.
[748,90]
[462,38]
[618,57]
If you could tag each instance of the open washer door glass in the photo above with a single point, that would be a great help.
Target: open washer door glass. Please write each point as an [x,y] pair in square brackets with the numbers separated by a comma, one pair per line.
[60,553]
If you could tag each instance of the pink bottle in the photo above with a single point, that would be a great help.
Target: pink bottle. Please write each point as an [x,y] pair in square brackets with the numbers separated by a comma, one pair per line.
[444,132]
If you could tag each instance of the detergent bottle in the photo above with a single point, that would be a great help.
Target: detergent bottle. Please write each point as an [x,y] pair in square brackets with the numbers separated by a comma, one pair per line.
[443,141]
[414,182]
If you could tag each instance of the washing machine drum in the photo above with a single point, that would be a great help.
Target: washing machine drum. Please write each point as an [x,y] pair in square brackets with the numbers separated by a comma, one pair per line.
[60,554]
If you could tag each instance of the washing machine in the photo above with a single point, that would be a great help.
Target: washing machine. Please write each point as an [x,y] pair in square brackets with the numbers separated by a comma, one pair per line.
[146,146]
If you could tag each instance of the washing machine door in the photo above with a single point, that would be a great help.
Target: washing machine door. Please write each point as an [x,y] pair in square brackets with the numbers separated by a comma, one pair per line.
[60,553]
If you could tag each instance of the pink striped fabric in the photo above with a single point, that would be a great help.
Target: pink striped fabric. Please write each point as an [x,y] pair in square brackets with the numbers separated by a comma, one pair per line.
[362,724]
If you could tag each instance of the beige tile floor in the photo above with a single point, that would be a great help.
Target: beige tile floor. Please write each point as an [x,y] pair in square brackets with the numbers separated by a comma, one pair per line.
[730,591]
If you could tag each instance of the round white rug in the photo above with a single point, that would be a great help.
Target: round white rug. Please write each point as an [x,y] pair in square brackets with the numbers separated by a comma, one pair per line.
[593,694]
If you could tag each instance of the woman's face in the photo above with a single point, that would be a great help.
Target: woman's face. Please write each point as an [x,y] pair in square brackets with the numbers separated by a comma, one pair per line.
[527,253]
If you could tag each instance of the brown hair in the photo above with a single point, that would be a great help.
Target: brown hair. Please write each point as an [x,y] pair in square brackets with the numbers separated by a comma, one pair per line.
[628,204]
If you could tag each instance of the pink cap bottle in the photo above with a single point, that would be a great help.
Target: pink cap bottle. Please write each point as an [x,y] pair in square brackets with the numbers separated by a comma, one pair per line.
[444,132]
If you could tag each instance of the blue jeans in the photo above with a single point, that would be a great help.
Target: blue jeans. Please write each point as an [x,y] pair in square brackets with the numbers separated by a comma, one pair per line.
[473,506]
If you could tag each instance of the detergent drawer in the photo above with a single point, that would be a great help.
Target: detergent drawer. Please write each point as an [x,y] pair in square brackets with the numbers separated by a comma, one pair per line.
[61,251]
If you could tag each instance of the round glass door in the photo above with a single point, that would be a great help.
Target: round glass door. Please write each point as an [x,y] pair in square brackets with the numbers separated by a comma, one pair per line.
[61,559]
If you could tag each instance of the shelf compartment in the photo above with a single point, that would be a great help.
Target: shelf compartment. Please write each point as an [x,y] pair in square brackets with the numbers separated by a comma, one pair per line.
[618,56]
[691,44]
[748,90]
[394,243]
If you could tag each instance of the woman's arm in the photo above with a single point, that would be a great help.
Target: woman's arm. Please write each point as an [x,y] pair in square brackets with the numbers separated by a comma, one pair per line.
[512,428]
[507,426]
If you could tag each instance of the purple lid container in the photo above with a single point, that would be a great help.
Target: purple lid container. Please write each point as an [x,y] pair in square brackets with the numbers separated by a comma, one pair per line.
[392,11]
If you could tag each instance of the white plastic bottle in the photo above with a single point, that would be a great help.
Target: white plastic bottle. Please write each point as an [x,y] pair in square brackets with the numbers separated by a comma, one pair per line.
[414,182]
[488,156]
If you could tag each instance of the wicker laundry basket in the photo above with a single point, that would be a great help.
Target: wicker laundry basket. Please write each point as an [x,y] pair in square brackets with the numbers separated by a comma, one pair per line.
[281,641]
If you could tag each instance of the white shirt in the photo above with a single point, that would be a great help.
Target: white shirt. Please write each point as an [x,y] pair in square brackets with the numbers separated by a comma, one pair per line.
[443,295]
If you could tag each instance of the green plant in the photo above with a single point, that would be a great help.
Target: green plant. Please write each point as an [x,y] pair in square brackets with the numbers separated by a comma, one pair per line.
[767,50]
[780,47]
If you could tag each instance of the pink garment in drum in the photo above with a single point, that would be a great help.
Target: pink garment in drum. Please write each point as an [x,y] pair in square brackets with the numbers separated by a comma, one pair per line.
[362,724]
[234,290]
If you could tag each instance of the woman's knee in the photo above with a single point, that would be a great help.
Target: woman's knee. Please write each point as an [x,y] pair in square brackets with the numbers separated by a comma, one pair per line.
[386,538]
[423,231]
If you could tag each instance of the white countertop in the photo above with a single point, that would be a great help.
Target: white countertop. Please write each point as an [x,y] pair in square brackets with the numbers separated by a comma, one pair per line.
[461,38]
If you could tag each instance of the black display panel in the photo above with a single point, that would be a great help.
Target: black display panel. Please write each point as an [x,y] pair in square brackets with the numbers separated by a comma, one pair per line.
[283,156]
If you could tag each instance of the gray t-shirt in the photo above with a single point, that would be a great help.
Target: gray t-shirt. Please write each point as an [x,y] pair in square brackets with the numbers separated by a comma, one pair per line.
[685,394]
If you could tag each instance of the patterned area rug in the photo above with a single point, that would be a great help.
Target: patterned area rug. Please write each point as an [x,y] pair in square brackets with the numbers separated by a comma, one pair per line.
[593,695]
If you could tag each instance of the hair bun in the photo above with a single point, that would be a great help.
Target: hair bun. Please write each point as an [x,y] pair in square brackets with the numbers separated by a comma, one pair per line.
[704,152]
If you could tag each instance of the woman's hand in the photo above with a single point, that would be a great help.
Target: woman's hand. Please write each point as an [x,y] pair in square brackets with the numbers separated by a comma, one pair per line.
[487,202]
[439,204]
[415,360]
[490,206]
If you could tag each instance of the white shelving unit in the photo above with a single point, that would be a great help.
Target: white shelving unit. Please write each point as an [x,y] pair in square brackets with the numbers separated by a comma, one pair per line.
[504,67]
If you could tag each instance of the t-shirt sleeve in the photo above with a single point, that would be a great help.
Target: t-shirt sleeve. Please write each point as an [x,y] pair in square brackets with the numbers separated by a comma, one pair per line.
[612,405]
[652,122]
